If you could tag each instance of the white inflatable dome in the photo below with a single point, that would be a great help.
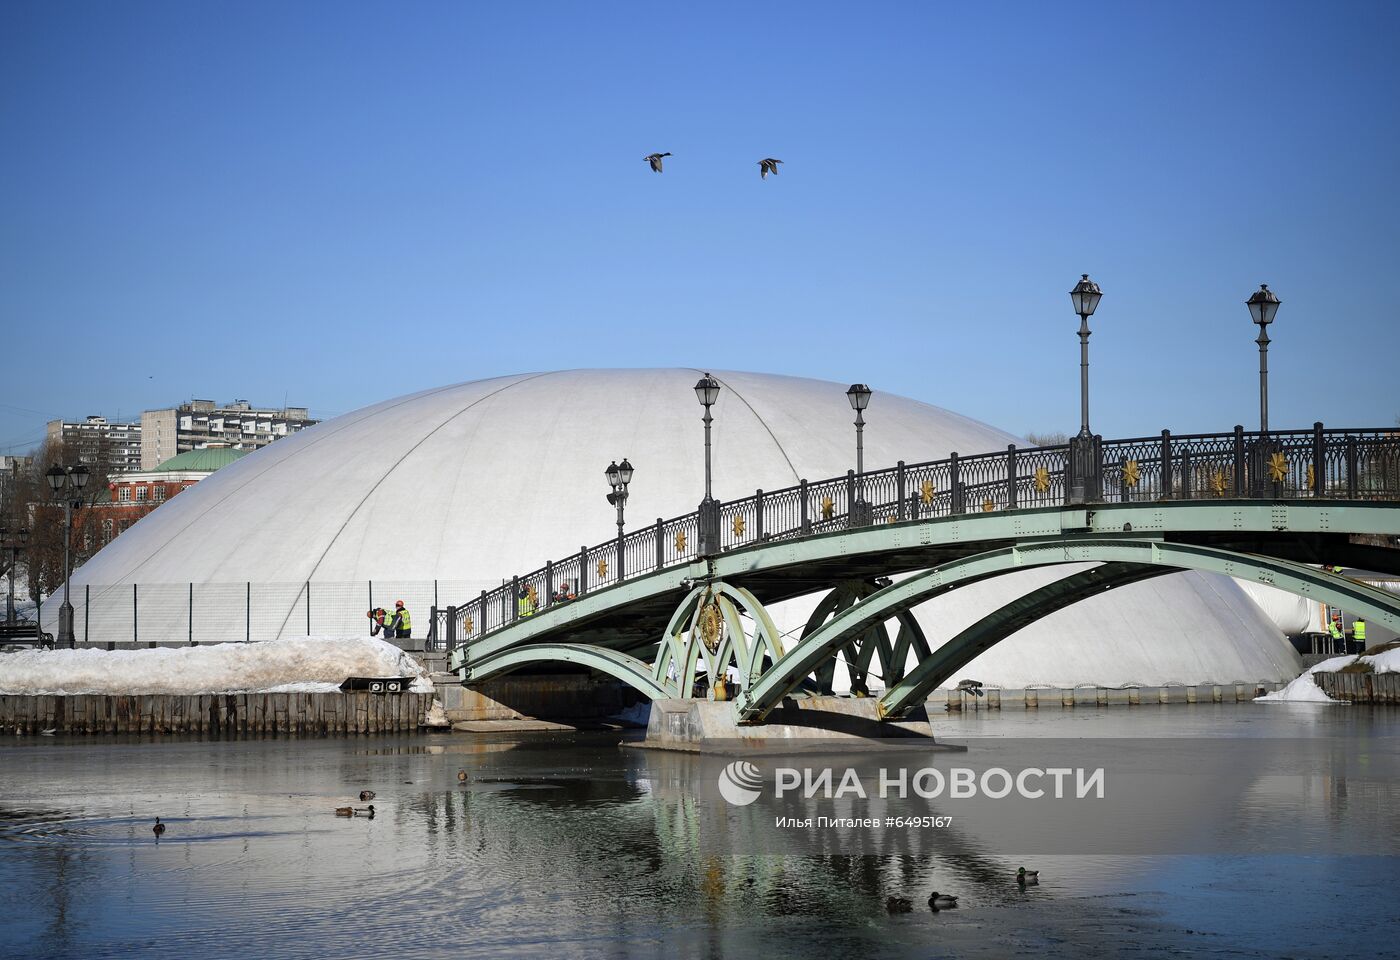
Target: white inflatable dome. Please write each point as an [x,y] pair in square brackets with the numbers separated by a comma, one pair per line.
[471,483]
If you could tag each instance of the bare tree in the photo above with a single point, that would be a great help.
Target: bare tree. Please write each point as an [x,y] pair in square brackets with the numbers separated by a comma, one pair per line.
[38,512]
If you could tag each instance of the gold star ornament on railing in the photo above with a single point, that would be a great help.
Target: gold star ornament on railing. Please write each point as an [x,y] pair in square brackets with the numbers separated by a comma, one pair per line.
[988,506]
[1042,479]
[680,541]
[828,508]
[1278,467]
[1132,474]
[926,492]
[738,526]
[468,626]
[1218,482]
[602,568]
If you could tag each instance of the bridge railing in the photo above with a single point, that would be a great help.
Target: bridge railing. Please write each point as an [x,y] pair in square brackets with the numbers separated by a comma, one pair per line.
[1343,464]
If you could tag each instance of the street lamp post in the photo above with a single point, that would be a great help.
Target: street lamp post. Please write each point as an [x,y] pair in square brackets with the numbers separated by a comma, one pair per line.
[1263,304]
[1084,484]
[67,483]
[707,392]
[619,476]
[860,513]
[13,543]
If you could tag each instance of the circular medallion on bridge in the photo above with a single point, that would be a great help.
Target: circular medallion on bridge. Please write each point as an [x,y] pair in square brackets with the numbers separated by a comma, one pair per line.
[710,622]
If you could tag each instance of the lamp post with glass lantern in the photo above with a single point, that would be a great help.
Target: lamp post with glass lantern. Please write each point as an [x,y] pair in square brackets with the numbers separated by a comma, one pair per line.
[860,513]
[1263,304]
[619,476]
[707,392]
[67,483]
[1084,447]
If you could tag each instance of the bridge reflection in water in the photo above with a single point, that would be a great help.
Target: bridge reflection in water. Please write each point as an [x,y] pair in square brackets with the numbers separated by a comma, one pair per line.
[648,609]
[572,846]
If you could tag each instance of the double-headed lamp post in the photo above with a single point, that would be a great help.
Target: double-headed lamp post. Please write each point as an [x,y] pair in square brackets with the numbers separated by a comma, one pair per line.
[859,395]
[619,476]
[707,392]
[12,541]
[67,483]
[1263,304]
[1083,452]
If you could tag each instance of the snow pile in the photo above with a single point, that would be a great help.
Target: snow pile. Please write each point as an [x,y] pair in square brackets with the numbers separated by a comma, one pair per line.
[1305,688]
[1387,661]
[292,665]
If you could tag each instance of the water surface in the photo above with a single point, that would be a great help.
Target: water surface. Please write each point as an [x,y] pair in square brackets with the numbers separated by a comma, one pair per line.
[569,846]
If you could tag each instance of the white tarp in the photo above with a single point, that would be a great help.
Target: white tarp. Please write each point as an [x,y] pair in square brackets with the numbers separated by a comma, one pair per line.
[1291,613]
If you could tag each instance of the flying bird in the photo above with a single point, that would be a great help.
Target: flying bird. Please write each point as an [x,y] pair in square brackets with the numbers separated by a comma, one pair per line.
[655,161]
[766,166]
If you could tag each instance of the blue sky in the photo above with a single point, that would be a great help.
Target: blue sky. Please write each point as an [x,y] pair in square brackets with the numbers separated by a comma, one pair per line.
[335,203]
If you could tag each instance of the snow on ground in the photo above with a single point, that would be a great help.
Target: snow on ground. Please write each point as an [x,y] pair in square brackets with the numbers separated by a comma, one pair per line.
[1305,688]
[1387,661]
[293,665]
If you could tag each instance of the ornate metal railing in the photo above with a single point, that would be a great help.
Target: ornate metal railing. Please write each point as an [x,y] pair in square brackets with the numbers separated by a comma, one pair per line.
[1341,464]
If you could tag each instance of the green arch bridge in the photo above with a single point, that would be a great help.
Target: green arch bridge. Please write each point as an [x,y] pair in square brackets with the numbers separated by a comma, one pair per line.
[659,606]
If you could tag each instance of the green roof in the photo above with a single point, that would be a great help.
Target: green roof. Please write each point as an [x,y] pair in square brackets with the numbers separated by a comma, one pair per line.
[207,459]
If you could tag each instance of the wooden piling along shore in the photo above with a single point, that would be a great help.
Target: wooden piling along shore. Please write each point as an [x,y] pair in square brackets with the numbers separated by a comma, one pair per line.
[1360,687]
[216,714]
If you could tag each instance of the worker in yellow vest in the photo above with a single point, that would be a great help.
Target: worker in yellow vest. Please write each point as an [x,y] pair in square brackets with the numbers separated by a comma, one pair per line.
[1358,633]
[1339,640]
[402,623]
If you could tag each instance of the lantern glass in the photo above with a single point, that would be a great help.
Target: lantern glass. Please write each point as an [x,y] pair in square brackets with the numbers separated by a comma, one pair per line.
[625,471]
[1085,296]
[1263,304]
[707,390]
[612,474]
[57,476]
[859,395]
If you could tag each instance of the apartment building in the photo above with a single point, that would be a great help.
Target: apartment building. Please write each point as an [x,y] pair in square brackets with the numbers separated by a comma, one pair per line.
[99,444]
[175,430]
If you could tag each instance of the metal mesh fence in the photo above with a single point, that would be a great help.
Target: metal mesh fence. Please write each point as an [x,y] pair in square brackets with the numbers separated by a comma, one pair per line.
[168,613]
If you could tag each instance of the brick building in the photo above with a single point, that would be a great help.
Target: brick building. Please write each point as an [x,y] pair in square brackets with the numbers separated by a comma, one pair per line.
[131,496]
